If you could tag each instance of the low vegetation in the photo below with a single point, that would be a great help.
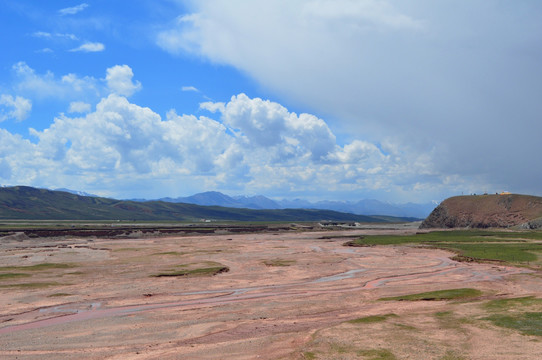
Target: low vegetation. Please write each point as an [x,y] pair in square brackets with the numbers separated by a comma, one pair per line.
[519,248]
[523,314]
[371,319]
[452,294]
[5,276]
[38,267]
[33,285]
[528,323]
[450,355]
[513,304]
[175,253]
[278,262]
[376,354]
[208,269]
[59,295]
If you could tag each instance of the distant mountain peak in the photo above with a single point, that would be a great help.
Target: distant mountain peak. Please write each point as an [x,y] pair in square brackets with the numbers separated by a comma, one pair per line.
[361,207]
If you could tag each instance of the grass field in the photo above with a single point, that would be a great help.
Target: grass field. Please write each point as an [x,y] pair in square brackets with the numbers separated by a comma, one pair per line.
[518,248]
[453,294]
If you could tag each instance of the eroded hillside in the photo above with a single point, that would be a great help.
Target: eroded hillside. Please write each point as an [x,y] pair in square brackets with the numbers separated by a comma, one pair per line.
[484,211]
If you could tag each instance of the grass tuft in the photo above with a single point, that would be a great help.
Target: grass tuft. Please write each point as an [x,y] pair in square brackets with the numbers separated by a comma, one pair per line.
[371,319]
[377,354]
[59,295]
[207,271]
[279,262]
[309,355]
[450,355]
[444,314]
[168,253]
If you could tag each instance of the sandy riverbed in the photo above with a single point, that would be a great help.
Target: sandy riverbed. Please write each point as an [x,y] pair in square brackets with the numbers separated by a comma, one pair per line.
[287,295]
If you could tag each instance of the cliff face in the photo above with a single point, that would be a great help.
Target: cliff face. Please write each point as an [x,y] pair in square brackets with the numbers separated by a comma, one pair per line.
[485,211]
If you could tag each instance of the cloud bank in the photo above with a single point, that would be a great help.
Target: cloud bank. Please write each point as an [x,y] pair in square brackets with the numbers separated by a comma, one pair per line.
[456,84]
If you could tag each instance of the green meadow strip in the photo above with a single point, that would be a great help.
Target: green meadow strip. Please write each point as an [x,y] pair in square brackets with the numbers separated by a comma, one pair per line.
[36,285]
[209,271]
[452,294]
[371,319]
[38,267]
[471,245]
[5,276]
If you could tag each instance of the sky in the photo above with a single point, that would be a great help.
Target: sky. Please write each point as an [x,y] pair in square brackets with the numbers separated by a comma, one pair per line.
[394,100]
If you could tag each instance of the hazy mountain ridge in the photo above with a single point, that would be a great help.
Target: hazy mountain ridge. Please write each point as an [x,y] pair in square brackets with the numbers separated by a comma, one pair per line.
[23,202]
[75,192]
[362,207]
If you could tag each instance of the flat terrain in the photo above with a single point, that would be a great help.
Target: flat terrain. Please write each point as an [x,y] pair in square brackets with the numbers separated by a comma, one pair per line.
[283,295]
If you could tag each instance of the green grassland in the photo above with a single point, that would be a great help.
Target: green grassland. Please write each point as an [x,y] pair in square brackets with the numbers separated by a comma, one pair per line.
[523,314]
[528,323]
[517,247]
[452,294]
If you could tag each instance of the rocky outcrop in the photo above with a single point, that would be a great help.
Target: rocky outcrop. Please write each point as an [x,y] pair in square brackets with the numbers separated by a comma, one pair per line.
[532,225]
[486,211]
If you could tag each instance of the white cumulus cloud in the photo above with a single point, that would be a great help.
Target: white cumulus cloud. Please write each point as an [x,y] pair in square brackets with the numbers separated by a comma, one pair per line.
[119,80]
[248,144]
[17,107]
[47,85]
[267,124]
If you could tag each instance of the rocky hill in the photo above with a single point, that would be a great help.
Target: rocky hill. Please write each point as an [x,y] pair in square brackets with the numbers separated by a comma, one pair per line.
[485,211]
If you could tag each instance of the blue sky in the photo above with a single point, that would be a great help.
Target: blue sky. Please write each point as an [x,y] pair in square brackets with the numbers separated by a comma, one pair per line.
[400,101]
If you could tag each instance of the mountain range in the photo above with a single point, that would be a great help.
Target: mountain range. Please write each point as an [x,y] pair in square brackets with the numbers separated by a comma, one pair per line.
[361,207]
[23,202]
